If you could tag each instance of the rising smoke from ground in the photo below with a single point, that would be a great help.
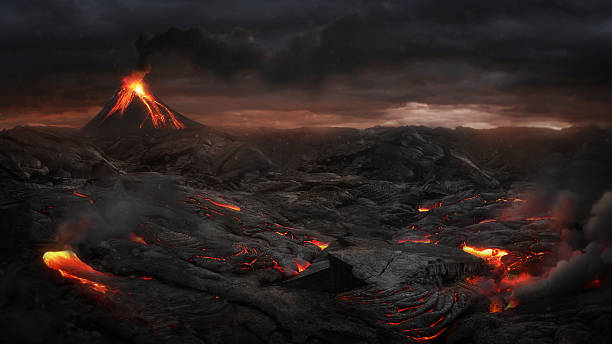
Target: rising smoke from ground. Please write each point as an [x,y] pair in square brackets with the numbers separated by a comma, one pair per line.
[582,266]
[120,211]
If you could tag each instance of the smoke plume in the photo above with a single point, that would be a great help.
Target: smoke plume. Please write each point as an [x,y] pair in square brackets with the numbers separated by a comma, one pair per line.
[222,54]
[118,212]
[583,266]
[342,46]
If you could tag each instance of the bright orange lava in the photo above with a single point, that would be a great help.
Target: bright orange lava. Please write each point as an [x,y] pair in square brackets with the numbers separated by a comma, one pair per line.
[301,267]
[223,205]
[491,255]
[70,266]
[138,239]
[423,208]
[160,115]
[495,306]
[469,198]
[421,339]
[319,244]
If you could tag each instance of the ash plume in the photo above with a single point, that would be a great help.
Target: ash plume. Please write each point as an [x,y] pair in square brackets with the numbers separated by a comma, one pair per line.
[378,36]
[223,54]
[583,266]
[342,46]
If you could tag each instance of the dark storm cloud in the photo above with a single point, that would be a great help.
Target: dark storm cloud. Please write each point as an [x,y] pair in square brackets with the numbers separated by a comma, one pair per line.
[519,60]
[223,54]
[550,42]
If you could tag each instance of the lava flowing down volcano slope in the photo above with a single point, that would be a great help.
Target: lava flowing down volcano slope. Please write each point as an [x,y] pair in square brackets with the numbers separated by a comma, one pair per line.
[134,107]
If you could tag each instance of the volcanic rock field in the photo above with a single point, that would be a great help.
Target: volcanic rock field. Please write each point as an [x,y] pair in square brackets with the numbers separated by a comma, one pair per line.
[312,235]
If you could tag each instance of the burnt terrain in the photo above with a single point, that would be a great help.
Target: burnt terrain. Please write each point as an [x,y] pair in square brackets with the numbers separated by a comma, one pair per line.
[313,235]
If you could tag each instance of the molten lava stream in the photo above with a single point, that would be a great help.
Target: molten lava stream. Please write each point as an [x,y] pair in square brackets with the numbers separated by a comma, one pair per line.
[70,266]
[223,205]
[490,255]
[301,267]
[320,244]
[424,338]
[426,208]
[496,305]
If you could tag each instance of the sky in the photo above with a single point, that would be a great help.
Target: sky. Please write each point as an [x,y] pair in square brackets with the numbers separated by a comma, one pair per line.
[291,63]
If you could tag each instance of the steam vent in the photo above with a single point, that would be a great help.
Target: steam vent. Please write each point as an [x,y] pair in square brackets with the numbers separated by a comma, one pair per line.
[134,108]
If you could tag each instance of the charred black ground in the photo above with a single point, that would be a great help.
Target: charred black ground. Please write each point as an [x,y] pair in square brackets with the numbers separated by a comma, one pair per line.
[313,235]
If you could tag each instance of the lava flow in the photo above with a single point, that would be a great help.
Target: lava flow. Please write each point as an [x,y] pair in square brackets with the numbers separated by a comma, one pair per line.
[138,239]
[320,244]
[416,241]
[74,192]
[301,267]
[70,266]
[426,208]
[490,255]
[134,88]
[424,338]
[223,205]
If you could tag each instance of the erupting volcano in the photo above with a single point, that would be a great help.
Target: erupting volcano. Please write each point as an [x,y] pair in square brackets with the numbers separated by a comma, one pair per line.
[133,107]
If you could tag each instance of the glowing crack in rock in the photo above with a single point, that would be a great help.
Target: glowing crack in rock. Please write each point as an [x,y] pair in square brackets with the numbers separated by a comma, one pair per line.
[320,244]
[426,208]
[416,241]
[301,267]
[222,205]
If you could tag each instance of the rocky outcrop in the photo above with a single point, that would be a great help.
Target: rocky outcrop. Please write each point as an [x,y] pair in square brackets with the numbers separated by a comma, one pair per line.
[30,153]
